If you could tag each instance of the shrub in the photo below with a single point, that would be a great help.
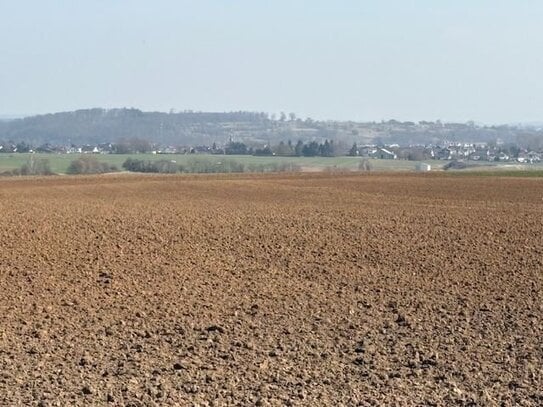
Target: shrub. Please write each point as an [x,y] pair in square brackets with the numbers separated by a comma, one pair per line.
[90,165]
[199,165]
[365,165]
[165,167]
[455,165]
[38,166]
[161,166]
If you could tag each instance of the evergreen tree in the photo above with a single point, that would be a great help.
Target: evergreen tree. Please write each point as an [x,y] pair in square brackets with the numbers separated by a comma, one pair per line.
[354,150]
[298,149]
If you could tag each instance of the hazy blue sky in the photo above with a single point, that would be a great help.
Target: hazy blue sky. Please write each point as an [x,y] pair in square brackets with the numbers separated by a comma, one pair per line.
[361,60]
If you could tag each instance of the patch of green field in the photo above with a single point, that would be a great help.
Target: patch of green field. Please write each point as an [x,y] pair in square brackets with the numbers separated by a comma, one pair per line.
[530,173]
[500,170]
[59,162]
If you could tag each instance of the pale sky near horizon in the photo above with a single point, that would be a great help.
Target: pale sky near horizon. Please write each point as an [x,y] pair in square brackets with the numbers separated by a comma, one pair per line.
[368,60]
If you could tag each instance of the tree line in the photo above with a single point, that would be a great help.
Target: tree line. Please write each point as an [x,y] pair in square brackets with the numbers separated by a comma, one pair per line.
[310,149]
[204,165]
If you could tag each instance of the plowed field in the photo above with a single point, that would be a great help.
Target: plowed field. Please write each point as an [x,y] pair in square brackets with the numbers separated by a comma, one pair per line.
[308,289]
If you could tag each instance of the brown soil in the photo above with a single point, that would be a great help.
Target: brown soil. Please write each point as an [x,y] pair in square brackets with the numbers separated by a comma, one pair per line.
[308,289]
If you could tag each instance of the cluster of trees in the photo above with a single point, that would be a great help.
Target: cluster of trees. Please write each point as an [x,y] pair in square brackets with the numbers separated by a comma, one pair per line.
[131,146]
[161,166]
[38,166]
[202,165]
[90,165]
[196,165]
[300,149]
[237,148]
[312,149]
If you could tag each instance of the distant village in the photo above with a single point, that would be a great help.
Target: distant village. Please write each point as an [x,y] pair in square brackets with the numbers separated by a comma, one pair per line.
[490,152]
[131,131]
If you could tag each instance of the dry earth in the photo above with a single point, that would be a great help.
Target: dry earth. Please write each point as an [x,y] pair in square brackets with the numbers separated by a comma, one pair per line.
[308,289]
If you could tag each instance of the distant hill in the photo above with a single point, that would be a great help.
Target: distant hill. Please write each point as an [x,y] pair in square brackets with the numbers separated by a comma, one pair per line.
[101,125]
[8,117]
[94,126]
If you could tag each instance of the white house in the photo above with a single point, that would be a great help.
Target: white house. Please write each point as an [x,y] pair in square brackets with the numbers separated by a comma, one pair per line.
[385,154]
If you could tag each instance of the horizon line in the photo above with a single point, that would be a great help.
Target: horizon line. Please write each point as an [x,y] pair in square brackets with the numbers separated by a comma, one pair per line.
[17,116]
